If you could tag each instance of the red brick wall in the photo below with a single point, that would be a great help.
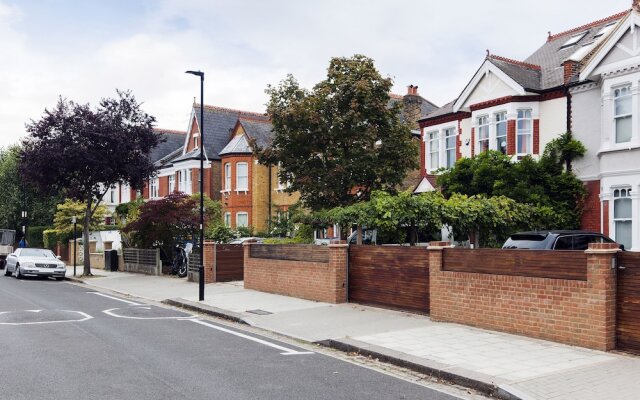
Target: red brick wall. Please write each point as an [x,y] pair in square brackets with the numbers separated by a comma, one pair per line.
[163,186]
[511,137]
[473,142]
[605,217]
[423,160]
[145,191]
[194,129]
[567,311]
[591,209]
[307,280]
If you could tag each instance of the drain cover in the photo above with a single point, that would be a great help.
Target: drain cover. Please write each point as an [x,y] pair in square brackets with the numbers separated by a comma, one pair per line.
[259,312]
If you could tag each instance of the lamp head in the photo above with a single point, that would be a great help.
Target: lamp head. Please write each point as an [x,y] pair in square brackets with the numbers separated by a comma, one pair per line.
[196,73]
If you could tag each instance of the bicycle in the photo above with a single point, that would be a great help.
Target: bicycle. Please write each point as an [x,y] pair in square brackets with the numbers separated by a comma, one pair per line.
[180,264]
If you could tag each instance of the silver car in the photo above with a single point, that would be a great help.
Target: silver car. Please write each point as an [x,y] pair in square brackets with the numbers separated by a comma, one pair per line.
[34,262]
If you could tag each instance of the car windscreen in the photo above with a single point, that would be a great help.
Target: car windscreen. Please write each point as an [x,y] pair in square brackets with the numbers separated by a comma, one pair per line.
[37,253]
[525,241]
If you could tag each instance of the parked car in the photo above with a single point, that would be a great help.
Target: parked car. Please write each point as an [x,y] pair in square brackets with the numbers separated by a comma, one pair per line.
[7,239]
[555,240]
[34,262]
[251,239]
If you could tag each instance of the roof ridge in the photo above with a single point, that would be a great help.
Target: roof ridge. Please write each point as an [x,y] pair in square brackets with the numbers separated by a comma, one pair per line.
[162,130]
[218,108]
[396,96]
[253,119]
[587,26]
[516,62]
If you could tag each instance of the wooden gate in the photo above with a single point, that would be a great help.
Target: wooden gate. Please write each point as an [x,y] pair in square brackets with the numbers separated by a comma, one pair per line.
[628,302]
[229,262]
[390,276]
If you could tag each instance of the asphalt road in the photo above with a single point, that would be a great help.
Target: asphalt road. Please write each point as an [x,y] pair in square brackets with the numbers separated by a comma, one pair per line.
[64,341]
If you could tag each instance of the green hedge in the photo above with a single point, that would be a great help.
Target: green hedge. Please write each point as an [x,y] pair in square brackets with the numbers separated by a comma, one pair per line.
[35,235]
[51,237]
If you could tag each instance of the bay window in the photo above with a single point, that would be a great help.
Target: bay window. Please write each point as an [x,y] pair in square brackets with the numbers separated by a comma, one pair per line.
[483,133]
[227,176]
[153,188]
[242,176]
[622,113]
[434,150]
[524,132]
[501,132]
[622,218]
[450,147]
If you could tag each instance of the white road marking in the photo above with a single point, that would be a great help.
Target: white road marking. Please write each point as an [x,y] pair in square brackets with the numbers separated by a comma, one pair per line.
[115,298]
[286,351]
[113,314]
[84,315]
[35,311]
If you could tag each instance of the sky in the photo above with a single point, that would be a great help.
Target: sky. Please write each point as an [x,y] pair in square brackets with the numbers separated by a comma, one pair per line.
[84,50]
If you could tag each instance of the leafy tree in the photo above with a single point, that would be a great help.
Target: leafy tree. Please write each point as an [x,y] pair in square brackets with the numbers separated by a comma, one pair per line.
[85,151]
[62,219]
[161,221]
[15,195]
[220,233]
[341,140]
[544,184]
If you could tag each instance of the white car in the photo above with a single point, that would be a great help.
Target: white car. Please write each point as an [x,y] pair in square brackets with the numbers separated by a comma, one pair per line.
[34,262]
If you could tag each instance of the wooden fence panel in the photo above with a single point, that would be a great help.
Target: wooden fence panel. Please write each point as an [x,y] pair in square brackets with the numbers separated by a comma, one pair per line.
[390,276]
[534,263]
[628,302]
[146,261]
[291,252]
[229,260]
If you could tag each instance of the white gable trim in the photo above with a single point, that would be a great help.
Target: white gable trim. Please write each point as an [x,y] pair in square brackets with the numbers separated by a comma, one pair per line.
[628,22]
[486,67]
[424,186]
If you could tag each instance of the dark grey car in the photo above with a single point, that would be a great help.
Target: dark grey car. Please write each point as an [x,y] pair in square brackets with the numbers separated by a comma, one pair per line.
[555,240]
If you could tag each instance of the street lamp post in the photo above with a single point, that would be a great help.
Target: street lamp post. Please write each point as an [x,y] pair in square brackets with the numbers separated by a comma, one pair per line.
[75,240]
[201,267]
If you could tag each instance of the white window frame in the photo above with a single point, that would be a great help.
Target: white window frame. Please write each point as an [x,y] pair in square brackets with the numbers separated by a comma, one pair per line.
[433,142]
[227,177]
[616,98]
[450,134]
[483,125]
[501,118]
[622,194]
[188,181]
[172,183]
[153,188]
[227,219]
[241,213]
[195,142]
[242,187]
[526,133]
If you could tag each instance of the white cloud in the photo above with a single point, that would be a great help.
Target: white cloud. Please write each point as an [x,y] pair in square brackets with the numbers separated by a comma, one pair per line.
[243,46]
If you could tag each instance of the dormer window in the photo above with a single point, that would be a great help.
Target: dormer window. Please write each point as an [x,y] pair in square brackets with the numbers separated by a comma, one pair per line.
[605,29]
[573,40]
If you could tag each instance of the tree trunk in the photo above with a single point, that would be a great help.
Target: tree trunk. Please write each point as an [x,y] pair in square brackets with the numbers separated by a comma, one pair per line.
[413,234]
[85,240]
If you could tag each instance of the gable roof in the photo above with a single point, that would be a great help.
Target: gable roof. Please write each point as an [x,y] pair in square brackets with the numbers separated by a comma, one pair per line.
[257,131]
[542,70]
[237,145]
[170,141]
[218,124]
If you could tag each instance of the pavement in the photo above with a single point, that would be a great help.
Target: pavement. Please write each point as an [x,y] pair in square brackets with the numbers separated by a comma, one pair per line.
[498,364]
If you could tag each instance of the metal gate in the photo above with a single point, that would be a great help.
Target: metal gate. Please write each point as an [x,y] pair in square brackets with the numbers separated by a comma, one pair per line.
[628,302]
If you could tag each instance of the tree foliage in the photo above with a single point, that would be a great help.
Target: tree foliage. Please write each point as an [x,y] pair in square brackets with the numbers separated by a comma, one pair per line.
[84,151]
[17,196]
[70,208]
[544,184]
[341,140]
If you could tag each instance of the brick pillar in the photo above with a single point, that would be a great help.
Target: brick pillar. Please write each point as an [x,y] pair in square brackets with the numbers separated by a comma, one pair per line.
[437,290]
[473,142]
[511,137]
[536,136]
[601,276]
[208,262]
[423,158]
[338,254]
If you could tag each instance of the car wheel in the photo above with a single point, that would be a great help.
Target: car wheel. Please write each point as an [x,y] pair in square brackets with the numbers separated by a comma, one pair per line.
[6,271]
[17,271]
[60,278]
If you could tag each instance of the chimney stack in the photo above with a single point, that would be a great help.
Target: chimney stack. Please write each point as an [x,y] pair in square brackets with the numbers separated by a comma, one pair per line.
[571,68]
[413,90]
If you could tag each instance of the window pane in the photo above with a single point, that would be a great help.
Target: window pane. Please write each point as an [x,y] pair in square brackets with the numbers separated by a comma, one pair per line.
[580,242]
[623,233]
[523,144]
[622,208]
[242,176]
[623,129]
[242,219]
[564,243]
[623,105]
[451,158]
